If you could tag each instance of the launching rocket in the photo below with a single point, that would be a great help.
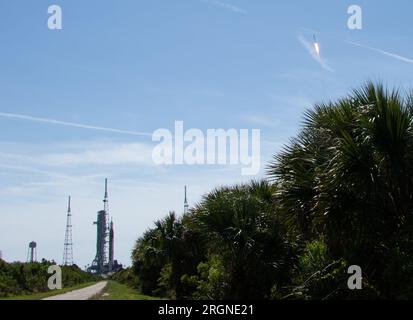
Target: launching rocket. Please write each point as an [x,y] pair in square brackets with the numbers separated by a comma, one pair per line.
[316,45]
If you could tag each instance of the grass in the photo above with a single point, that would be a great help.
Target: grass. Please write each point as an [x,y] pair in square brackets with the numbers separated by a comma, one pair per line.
[42,295]
[117,291]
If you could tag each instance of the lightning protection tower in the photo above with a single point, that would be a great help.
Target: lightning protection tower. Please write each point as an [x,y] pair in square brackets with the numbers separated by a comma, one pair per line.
[186,206]
[68,245]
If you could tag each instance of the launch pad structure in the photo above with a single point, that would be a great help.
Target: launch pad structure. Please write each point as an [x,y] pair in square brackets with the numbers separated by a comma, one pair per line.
[104,262]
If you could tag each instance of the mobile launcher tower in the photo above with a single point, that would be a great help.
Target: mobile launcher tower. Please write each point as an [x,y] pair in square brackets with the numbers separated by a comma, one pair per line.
[105,242]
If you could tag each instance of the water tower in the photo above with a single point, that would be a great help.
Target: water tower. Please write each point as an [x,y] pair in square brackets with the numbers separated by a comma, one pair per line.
[32,252]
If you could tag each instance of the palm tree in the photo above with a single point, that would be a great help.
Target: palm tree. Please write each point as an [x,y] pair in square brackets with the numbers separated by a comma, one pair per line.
[349,175]
[148,261]
[167,252]
[242,229]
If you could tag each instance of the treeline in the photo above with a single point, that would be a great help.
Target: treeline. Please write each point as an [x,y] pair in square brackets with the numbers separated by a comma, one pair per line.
[339,194]
[28,278]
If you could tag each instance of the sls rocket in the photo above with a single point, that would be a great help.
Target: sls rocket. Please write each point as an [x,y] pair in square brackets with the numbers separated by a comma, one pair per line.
[111,246]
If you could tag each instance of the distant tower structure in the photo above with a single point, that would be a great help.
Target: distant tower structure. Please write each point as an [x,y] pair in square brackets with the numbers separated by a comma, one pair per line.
[32,252]
[68,245]
[186,206]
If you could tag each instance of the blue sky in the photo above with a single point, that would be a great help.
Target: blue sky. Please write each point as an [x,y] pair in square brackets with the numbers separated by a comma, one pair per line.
[140,66]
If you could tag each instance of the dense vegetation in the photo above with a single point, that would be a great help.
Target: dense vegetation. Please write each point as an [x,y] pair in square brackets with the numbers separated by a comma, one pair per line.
[29,278]
[339,194]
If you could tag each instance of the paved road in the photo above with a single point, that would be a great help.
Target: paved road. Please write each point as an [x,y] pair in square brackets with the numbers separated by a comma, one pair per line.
[81,294]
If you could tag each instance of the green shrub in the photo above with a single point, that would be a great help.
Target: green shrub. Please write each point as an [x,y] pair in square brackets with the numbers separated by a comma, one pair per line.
[26,278]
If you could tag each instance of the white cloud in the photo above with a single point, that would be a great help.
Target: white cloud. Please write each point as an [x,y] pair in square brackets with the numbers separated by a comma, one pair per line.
[297,101]
[82,154]
[108,155]
[261,120]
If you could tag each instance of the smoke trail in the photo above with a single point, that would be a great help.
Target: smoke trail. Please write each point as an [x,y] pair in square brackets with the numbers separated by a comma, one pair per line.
[72,124]
[383,52]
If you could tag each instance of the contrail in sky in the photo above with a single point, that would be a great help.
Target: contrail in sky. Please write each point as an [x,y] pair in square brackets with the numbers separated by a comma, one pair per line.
[225,5]
[72,124]
[383,52]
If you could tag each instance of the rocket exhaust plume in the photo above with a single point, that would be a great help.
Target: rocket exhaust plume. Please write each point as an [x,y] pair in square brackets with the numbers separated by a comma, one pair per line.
[313,48]
[316,46]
